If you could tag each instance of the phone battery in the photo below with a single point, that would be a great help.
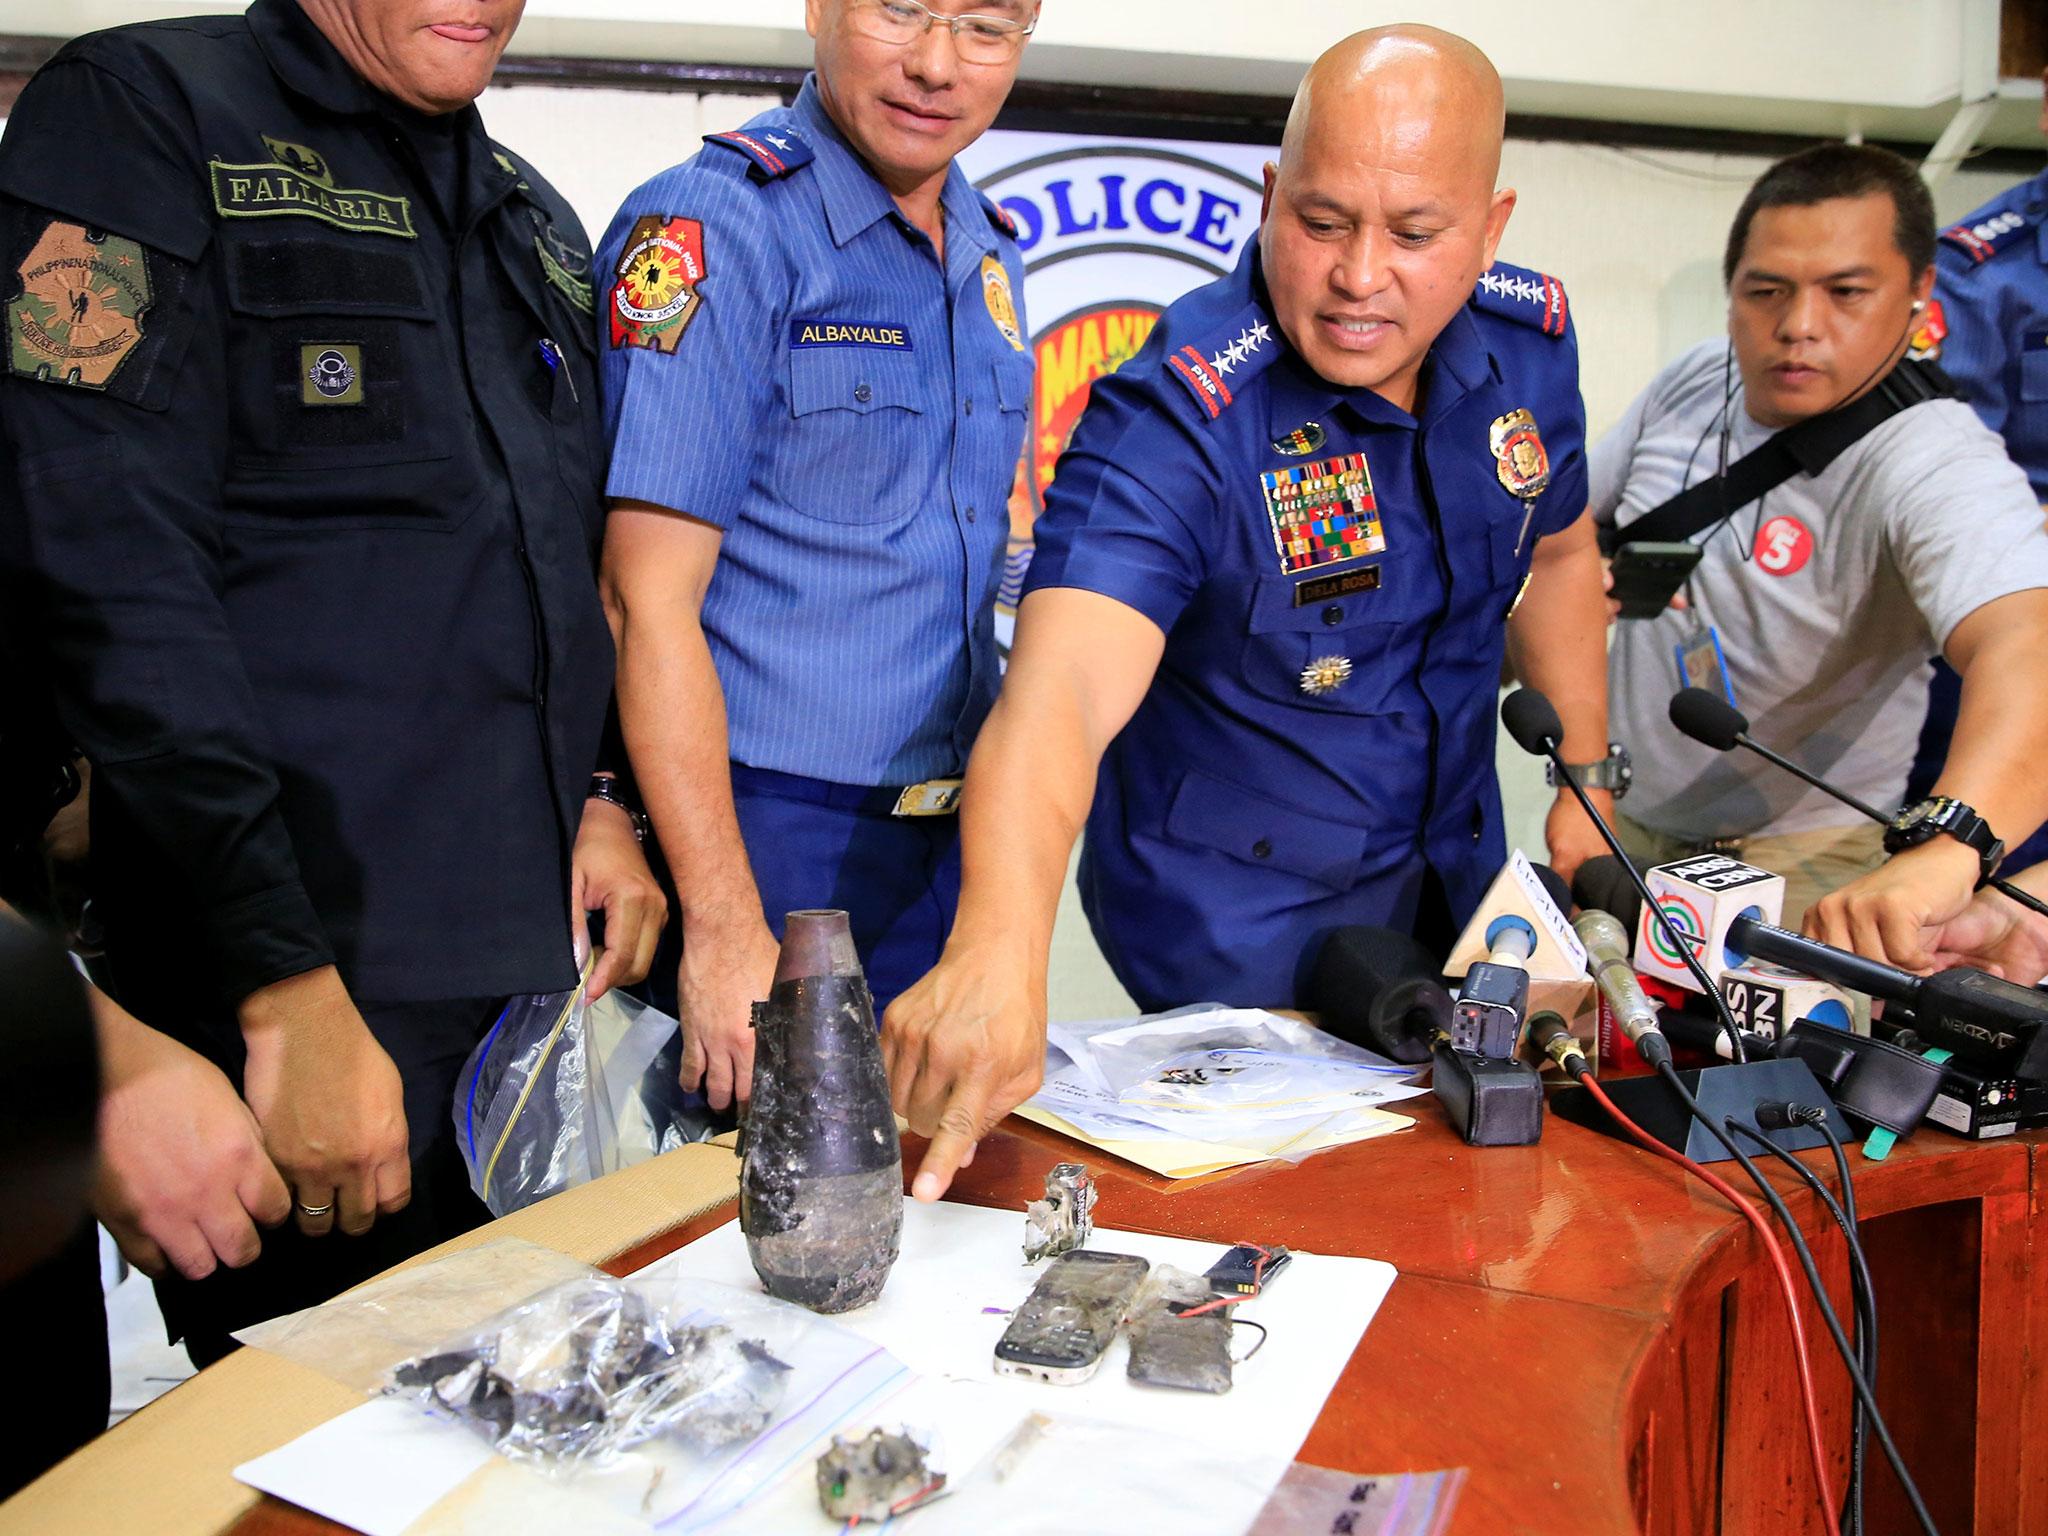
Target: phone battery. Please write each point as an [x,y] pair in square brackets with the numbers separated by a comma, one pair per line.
[1240,1271]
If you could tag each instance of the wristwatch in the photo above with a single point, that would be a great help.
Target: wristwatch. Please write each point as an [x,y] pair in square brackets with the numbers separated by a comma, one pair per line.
[1921,823]
[1613,773]
[606,788]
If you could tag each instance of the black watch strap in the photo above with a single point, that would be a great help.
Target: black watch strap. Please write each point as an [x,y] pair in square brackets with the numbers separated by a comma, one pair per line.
[1937,815]
[606,788]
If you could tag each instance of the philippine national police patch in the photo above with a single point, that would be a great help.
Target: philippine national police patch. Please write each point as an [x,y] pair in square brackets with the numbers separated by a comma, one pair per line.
[1322,513]
[79,311]
[655,297]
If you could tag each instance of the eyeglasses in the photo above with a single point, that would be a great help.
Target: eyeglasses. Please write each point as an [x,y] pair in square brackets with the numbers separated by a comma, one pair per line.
[978,39]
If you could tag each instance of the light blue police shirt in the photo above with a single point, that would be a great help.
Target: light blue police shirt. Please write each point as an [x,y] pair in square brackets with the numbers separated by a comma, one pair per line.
[784,359]
[1991,280]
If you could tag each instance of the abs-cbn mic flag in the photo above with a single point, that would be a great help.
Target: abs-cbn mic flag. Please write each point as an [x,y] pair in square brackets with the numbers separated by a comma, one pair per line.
[1112,230]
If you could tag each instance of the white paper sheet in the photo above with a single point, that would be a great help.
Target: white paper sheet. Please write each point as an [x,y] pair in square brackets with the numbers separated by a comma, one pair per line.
[375,1469]
[959,1259]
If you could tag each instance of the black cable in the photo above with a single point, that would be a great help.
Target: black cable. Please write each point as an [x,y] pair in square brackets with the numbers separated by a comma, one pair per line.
[1862,1296]
[1820,1293]
[1841,1155]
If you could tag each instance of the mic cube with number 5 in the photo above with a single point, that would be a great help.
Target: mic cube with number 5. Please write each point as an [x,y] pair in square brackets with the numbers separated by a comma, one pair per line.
[1702,896]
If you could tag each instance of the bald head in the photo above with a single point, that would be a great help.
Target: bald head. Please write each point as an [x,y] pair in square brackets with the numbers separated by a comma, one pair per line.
[1405,83]
[1381,211]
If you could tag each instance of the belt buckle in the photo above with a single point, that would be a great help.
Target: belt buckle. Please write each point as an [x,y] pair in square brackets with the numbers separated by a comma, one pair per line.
[934,797]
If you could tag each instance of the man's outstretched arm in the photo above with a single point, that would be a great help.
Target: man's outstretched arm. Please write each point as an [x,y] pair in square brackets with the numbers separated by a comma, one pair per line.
[966,1044]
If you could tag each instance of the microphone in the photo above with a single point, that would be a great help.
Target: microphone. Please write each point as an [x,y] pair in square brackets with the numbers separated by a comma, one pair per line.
[1532,721]
[1684,1110]
[1712,721]
[1518,952]
[1381,990]
[1981,1018]
[1606,944]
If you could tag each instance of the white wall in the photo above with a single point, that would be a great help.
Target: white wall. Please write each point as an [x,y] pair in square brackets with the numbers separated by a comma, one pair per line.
[1885,68]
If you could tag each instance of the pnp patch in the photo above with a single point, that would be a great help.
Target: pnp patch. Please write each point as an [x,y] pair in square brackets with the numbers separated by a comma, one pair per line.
[269,191]
[654,297]
[79,312]
[330,373]
[843,333]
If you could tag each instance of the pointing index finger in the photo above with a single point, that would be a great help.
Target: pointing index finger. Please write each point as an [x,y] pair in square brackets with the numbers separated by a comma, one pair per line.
[952,1145]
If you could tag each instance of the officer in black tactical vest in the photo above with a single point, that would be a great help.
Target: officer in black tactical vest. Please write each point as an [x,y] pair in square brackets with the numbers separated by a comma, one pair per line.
[302,468]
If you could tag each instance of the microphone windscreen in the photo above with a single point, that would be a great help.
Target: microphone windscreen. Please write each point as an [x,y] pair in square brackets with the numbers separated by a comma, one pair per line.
[1532,721]
[1708,718]
[1554,887]
[1602,885]
[1381,990]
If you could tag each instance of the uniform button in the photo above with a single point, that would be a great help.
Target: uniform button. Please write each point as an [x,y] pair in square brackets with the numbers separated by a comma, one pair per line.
[970,514]
[1334,614]
[863,393]
[968,406]
[1262,849]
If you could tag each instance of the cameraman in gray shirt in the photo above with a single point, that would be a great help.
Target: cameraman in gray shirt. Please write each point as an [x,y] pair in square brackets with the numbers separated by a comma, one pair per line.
[1818,604]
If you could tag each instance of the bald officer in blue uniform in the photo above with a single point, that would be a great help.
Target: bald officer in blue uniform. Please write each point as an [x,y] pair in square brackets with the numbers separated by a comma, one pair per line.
[817,386]
[1269,597]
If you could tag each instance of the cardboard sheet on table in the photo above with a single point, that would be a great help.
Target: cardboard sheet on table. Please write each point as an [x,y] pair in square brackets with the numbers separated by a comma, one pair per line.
[959,1259]
[1175,1159]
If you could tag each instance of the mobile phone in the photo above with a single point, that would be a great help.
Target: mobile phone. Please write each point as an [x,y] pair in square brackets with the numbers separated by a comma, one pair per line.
[1071,1316]
[1647,574]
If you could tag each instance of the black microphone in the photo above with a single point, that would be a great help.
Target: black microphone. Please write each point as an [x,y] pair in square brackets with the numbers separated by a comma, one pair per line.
[1532,721]
[1602,885]
[1981,1018]
[1712,721]
[1381,990]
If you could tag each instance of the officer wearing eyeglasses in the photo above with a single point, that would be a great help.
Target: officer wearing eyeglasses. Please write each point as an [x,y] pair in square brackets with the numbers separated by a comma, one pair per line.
[817,385]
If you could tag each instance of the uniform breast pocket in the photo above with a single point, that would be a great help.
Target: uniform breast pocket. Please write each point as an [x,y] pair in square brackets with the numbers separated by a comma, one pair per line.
[1510,547]
[1337,643]
[345,397]
[1013,376]
[2034,361]
[859,421]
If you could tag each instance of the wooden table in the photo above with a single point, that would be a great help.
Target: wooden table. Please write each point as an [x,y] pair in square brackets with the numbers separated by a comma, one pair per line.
[1598,1338]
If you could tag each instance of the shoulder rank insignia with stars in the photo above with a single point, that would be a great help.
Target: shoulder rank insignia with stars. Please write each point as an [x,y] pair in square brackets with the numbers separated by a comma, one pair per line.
[998,215]
[773,151]
[1987,237]
[1516,293]
[1208,378]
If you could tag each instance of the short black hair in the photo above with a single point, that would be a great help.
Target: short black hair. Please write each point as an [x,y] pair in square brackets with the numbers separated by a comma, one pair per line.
[1829,171]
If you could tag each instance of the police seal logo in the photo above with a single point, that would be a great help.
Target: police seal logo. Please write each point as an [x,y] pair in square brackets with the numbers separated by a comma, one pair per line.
[332,374]
[1925,346]
[1519,456]
[78,314]
[654,297]
[1002,304]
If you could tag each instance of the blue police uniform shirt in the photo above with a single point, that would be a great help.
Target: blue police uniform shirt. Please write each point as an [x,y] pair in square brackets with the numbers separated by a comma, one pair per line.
[1992,287]
[784,358]
[1332,575]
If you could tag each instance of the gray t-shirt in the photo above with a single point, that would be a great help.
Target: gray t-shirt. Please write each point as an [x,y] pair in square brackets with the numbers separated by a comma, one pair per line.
[1830,596]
